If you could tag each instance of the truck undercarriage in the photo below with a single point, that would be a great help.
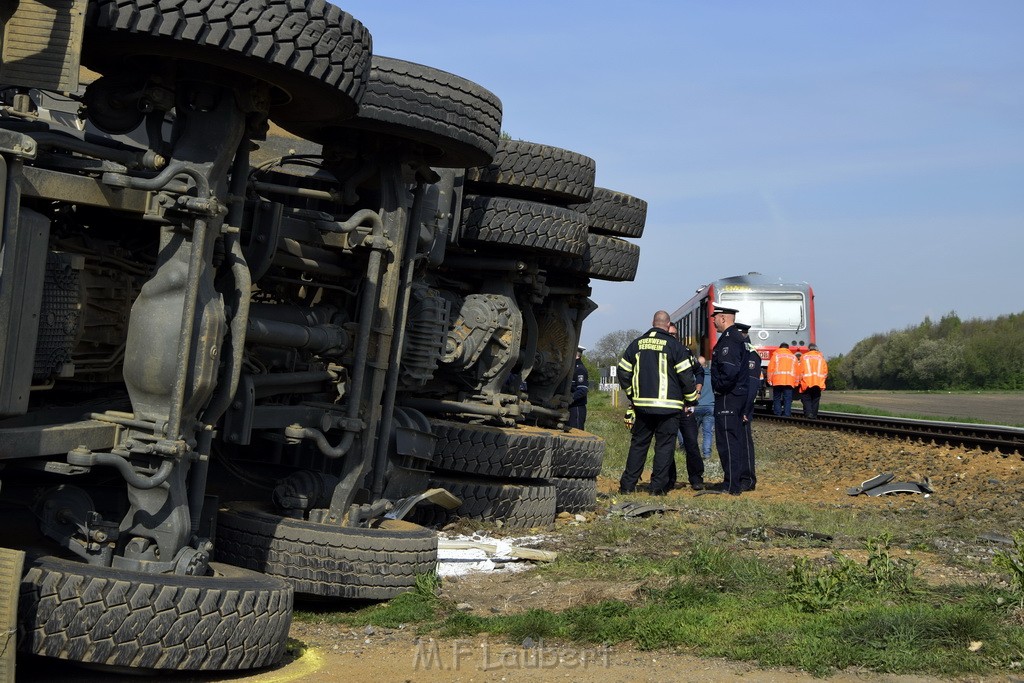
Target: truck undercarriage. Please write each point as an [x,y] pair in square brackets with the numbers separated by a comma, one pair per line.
[263,293]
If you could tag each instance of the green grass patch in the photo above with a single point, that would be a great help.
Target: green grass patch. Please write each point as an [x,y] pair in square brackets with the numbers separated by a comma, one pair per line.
[717,604]
[605,420]
[688,583]
[697,594]
[420,605]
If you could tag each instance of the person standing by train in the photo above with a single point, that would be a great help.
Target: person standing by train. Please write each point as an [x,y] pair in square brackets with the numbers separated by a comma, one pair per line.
[704,413]
[730,378]
[657,376]
[783,378]
[813,373]
[580,388]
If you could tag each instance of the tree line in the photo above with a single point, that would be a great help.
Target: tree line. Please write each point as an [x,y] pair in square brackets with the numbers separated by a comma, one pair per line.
[952,354]
[949,354]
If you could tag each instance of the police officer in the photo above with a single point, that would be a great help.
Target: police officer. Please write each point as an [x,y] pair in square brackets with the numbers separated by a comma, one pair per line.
[656,373]
[580,387]
[753,389]
[730,379]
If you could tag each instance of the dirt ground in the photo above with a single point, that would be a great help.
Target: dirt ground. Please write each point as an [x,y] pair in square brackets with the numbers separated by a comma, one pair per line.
[983,492]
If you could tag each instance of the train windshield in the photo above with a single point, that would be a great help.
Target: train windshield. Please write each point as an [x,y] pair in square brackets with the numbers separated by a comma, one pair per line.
[768,310]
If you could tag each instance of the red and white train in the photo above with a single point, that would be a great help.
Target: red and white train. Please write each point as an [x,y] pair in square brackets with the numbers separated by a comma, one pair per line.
[776,310]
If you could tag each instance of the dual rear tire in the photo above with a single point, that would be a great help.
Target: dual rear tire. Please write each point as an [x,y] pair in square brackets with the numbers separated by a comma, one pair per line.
[233,619]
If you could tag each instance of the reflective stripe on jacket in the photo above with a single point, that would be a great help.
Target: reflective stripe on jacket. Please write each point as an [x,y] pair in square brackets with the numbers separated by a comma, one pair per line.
[782,369]
[656,372]
[813,370]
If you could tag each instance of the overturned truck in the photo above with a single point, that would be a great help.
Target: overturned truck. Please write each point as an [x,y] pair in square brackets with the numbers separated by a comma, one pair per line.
[266,298]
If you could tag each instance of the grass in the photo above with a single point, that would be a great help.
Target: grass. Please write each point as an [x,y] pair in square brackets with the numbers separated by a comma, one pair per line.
[606,420]
[711,602]
[693,587]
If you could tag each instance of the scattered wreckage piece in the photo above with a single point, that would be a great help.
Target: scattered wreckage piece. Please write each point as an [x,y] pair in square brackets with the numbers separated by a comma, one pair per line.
[900,487]
[516,552]
[993,537]
[639,509]
[883,484]
[871,483]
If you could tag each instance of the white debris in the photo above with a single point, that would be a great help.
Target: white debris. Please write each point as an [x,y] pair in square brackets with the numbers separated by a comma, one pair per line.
[461,561]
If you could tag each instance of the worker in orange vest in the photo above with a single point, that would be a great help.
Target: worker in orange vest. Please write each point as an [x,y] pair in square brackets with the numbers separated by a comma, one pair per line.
[813,373]
[782,375]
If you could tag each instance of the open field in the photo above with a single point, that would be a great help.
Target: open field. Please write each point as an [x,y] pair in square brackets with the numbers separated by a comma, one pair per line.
[1004,408]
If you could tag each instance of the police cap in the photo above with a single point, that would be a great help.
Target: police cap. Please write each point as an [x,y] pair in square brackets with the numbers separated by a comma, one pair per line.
[723,308]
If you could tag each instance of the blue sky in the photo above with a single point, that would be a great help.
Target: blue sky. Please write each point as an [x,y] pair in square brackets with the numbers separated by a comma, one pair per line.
[873,149]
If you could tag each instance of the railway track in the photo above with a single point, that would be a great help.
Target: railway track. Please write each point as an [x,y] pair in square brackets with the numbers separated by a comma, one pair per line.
[986,437]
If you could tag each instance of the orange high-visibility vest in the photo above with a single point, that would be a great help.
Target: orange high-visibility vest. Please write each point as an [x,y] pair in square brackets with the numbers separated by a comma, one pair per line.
[782,369]
[814,370]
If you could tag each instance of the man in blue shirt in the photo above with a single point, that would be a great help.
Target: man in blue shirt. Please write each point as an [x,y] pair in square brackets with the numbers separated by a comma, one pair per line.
[704,414]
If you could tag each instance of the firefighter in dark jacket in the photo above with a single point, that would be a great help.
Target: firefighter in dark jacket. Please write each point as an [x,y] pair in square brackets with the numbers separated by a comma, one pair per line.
[656,372]
[580,387]
[730,379]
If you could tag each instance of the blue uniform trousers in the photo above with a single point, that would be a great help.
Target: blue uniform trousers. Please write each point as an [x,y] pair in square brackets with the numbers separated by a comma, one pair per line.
[577,416]
[731,433]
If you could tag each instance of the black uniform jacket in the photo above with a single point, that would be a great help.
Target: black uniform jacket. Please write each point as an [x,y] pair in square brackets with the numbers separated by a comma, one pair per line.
[656,372]
[729,374]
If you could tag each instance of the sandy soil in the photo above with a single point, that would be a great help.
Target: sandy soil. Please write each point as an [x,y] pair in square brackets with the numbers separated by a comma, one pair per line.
[982,492]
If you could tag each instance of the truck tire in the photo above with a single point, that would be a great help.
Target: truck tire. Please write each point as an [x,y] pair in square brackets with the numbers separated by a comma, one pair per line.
[515,505]
[526,225]
[492,451]
[577,454]
[536,172]
[457,120]
[235,619]
[605,258]
[323,560]
[574,495]
[614,213]
[315,54]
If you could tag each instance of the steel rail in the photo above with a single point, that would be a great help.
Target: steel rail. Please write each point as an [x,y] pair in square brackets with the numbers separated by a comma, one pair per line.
[987,437]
